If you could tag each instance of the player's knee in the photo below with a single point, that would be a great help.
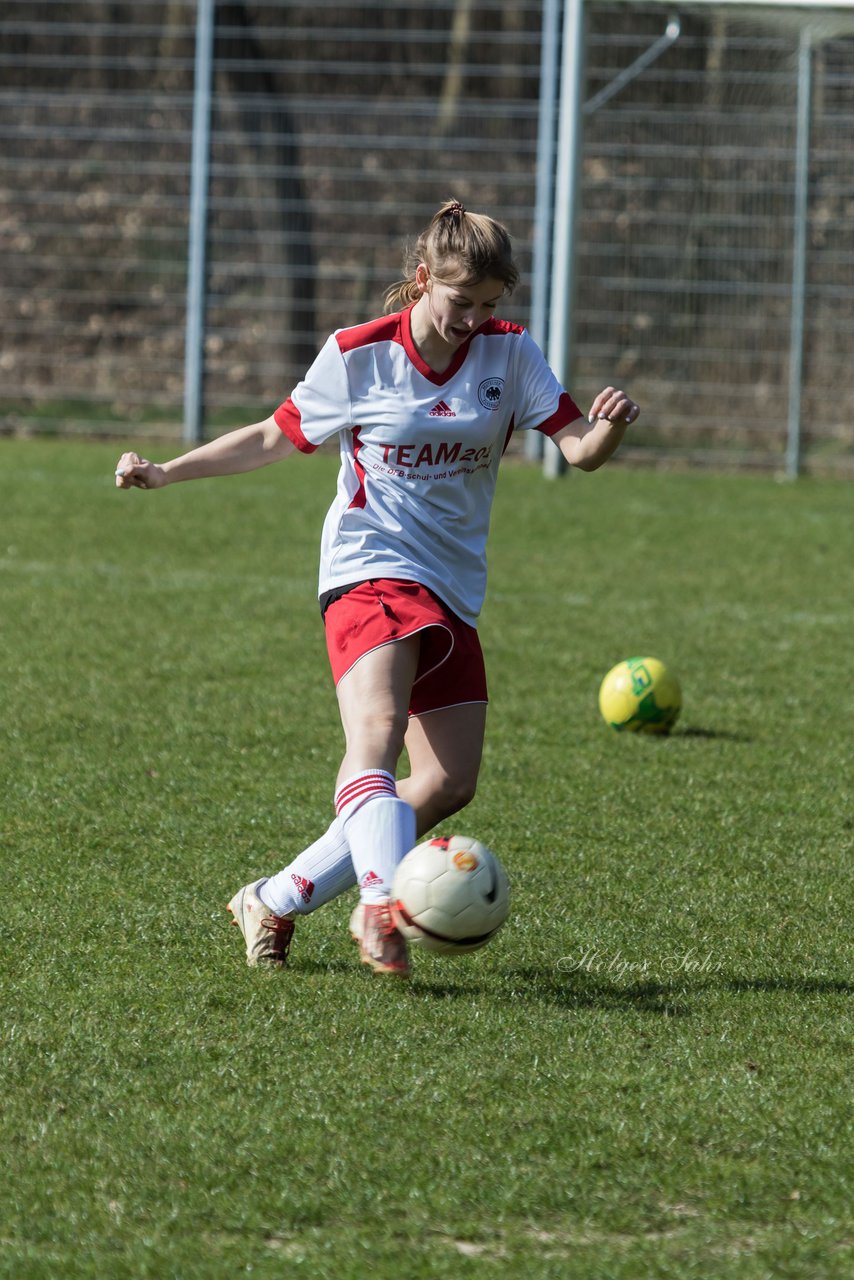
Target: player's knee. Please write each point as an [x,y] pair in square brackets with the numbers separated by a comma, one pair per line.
[453,794]
[380,731]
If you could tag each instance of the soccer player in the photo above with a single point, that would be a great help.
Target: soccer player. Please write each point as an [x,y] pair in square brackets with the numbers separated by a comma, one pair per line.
[423,402]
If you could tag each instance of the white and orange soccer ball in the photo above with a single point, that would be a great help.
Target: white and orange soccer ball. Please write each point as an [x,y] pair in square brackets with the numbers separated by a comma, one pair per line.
[450,895]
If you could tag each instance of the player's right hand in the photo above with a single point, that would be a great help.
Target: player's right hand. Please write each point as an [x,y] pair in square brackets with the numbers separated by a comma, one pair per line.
[134,472]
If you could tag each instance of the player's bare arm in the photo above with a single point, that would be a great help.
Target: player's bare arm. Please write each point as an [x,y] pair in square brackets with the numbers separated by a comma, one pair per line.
[245,449]
[587,445]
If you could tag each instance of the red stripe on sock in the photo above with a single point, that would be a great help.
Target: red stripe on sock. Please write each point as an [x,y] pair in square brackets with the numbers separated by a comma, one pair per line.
[363,788]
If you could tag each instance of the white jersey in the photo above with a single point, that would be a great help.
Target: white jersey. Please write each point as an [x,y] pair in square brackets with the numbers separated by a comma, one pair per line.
[419,450]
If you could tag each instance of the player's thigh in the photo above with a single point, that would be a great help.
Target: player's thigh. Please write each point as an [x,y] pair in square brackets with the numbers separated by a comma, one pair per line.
[445,747]
[375,692]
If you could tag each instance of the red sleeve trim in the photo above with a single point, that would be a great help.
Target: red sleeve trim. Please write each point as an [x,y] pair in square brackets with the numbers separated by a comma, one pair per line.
[567,411]
[288,421]
[494,325]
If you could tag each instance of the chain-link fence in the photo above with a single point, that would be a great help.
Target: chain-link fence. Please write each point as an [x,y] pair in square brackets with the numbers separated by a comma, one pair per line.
[338,128]
[688,238]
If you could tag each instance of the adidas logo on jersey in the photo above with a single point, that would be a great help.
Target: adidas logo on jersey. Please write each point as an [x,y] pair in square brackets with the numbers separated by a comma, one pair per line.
[441,410]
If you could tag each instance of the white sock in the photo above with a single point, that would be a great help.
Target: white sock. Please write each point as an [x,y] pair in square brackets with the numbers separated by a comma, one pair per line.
[319,874]
[380,829]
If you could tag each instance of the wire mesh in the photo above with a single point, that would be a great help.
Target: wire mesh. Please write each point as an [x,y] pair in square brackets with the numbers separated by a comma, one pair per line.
[686,235]
[338,128]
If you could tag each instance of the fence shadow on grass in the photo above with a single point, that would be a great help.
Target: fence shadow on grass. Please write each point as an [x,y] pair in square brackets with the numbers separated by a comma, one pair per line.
[805,985]
[586,991]
[529,984]
[671,999]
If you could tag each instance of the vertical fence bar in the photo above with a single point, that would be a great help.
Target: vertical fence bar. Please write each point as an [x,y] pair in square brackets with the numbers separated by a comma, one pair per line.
[567,182]
[194,341]
[544,211]
[799,254]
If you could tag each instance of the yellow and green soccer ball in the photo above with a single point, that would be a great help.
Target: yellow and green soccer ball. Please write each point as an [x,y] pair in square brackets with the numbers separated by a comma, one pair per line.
[640,695]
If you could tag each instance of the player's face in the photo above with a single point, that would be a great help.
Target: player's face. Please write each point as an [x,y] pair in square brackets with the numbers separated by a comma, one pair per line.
[455,311]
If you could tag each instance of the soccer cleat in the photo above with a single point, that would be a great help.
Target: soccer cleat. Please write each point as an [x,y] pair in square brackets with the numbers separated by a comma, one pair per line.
[357,921]
[267,936]
[382,945]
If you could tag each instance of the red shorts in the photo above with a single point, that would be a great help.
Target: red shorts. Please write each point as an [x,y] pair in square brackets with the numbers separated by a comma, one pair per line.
[450,668]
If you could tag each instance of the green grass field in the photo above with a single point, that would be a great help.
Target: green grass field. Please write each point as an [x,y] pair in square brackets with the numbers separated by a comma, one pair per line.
[648,1073]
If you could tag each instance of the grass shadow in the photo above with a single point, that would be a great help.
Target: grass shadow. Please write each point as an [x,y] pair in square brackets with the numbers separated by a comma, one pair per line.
[582,990]
[668,999]
[805,986]
[546,986]
[305,965]
[720,735]
[446,990]
[579,991]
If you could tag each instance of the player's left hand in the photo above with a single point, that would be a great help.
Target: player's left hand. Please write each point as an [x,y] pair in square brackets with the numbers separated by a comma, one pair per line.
[615,406]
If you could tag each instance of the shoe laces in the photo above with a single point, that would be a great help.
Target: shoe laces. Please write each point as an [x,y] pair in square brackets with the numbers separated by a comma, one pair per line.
[385,921]
[281,928]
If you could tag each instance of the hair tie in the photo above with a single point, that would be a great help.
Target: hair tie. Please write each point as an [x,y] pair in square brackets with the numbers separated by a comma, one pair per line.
[455,210]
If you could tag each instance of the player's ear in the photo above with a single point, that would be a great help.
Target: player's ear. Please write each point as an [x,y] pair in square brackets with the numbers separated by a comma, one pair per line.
[422,277]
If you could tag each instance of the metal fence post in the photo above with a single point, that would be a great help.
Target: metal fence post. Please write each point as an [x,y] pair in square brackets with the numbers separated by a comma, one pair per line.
[799,254]
[567,182]
[194,342]
[544,211]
